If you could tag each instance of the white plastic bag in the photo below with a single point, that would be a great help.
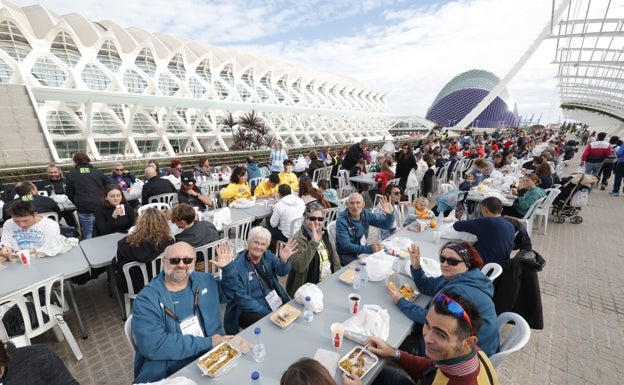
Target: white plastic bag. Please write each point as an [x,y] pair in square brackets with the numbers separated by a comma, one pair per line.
[378,266]
[579,199]
[136,190]
[371,321]
[316,296]
[221,217]
[58,245]
[175,181]
[300,164]
[412,180]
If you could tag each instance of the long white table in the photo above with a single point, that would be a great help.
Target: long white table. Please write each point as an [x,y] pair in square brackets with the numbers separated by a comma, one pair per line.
[285,346]
[365,179]
[15,275]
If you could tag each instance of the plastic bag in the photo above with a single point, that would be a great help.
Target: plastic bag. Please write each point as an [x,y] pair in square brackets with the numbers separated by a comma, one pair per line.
[135,190]
[316,296]
[579,199]
[378,266]
[300,164]
[221,217]
[175,181]
[371,321]
[58,245]
[412,180]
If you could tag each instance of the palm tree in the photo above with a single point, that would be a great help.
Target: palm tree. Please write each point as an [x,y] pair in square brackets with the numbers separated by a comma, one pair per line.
[249,132]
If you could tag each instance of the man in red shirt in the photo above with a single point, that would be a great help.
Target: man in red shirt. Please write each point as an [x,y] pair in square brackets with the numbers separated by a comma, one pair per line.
[595,154]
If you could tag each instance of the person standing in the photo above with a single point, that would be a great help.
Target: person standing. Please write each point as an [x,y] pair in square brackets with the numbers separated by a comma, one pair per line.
[85,188]
[405,163]
[619,172]
[595,154]
[277,157]
[355,153]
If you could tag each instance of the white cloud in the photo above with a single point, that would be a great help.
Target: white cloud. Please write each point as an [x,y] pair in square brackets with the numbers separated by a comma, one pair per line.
[412,54]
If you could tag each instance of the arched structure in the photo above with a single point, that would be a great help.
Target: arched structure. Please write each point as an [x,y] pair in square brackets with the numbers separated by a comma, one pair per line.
[110,91]
[463,93]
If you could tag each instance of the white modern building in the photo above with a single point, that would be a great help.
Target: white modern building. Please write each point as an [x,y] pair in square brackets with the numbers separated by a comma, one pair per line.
[73,84]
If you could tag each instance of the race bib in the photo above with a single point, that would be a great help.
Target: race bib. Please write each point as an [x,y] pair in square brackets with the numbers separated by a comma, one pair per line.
[273,300]
[191,326]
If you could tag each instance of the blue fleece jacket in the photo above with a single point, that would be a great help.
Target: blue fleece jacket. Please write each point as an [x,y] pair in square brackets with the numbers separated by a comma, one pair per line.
[473,285]
[162,349]
[349,232]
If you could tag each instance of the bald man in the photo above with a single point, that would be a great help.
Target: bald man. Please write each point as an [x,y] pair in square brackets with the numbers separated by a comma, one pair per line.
[155,185]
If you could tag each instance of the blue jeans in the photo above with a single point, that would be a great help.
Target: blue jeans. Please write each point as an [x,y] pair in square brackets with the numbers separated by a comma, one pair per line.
[86,224]
[592,168]
[619,174]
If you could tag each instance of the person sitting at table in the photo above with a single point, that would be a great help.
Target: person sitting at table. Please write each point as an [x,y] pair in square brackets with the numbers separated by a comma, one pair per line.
[451,332]
[461,267]
[27,192]
[382,178]
[499,162]
[190,192]
[175,168]
[115,214]
[308,371]
[27,230]
[315,163]
[258,289]
[420,210]
[238,188]
[495,235]
[153,163]
[528,193]
[33,365]
[315,258]
[147,241]
[253,171]
[203,169]
[546,176]
[480,170]
[308,193]
[288,208]
[359,169]
[122,177]
[195,233]
[353,224]
[155,185]
[177,316]
[267,189]
[55,184]
[468,183]
[329,193]
[288,176]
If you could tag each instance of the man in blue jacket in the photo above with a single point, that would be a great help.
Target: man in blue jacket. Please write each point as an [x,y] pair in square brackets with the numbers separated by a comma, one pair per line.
[353,224]
[177,317]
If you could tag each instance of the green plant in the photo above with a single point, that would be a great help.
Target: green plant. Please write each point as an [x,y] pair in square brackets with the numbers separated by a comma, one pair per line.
[249,132]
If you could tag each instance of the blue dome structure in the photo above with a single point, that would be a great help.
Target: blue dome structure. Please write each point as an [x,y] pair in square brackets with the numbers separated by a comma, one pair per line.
[464,92]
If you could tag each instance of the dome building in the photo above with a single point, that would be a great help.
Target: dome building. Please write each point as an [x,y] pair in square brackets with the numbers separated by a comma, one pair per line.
[463,93]
[77,85]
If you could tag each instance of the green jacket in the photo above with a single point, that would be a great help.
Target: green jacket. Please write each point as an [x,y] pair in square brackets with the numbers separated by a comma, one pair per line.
[300,262]
[523,203]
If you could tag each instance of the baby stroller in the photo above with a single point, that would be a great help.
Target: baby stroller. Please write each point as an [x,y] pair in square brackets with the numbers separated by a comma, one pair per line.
[567,204]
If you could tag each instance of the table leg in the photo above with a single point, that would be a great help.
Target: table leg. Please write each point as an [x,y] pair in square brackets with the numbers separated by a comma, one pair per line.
[70,291]
[115,290]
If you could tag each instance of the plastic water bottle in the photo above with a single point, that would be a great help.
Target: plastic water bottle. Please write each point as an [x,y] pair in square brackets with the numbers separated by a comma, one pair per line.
[255,378]
[259,351]
[363,275]
[440,217]
[357,280]
[308,313]
[396,265]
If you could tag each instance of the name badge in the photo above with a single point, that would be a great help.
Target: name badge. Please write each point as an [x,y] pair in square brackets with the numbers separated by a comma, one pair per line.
[325,270]
[273,300]
[363,240]
[191,326]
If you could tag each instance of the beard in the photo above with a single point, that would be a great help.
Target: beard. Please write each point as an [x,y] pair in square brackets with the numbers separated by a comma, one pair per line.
[178,275]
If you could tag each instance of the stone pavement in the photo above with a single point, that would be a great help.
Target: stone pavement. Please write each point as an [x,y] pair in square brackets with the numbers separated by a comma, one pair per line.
[582,288]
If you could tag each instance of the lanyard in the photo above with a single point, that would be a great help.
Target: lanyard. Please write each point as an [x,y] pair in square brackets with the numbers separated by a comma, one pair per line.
[173,315]
[262,275]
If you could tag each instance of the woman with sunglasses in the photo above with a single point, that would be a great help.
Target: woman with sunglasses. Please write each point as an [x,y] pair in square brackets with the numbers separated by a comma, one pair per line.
[148,240]
[316,258]
[461,273]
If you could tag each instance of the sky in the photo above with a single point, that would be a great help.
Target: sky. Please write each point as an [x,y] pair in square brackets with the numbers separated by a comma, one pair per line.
[407,48]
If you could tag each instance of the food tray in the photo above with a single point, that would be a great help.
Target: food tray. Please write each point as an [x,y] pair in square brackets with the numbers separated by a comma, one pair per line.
[408,292]
[285,315]
[208,362]
[347,276]
[365,363]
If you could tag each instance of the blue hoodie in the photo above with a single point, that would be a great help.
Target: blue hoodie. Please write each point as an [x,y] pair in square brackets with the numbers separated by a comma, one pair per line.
[472,285]
[349,233]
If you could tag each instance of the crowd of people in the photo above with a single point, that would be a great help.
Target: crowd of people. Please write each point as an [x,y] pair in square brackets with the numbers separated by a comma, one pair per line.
[177,315]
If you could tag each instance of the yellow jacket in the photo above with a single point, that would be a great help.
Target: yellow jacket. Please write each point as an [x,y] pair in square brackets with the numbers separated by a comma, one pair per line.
[290,179]
[265,189]
[231,192]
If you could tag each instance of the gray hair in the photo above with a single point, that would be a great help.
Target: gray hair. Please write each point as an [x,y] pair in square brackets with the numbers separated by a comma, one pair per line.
[314,206]
[258,232]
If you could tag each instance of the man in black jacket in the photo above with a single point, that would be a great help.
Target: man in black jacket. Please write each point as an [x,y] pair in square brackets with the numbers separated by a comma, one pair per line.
[28,192]
[355,153]
[55,184]
[155,185]
[85,188]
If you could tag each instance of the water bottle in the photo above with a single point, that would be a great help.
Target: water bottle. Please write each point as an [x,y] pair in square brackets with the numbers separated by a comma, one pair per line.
[440,218]
[357,280]
[585,196]
[396,265]
[308,313]
[259,351]
[363,275]
[255,378]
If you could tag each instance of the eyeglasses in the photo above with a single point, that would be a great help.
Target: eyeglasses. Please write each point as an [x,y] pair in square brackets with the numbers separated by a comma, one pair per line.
[318,219]
[455,308]
[450,261]
[175,261]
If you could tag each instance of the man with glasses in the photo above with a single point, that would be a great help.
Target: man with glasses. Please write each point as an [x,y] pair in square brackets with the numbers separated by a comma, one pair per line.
[122,177]
[453,357]
[353,224]
[177,317]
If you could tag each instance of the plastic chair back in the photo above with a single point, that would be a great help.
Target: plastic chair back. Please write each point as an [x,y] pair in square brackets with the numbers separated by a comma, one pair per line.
[331,233]
[237,233]
[163,198]
[209,252]
[129,333]
[156,265]
[51,215]
[492,270]
[517,338]
[160,206]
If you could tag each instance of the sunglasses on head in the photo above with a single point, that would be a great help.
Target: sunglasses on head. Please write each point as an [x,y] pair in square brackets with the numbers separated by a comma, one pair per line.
[318,219]
[175,261]
[455,308]
[450,261]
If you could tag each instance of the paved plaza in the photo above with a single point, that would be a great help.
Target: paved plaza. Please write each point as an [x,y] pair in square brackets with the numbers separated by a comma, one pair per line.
[582,293]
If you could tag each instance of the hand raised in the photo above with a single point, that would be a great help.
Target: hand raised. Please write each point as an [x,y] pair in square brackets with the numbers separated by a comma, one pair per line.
[224,255]
[414,252]
[385,205]
[286,250]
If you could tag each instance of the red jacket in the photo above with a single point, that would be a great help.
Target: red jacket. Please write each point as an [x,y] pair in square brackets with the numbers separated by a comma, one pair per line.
[596,152]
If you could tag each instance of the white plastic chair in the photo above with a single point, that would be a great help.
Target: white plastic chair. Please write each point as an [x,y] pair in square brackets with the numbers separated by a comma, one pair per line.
[331,233]
[517,338]
[158,205]
[240,229]
[412,193]
[345,188]
[295,225]
[131,293]
[54,313]
[527,219]
[542,211]
[330,214]
[51,215]
[446,187]
[492,270]
[209,252]
[394,181]
[168,198]
[343,203]
[129,333]
[253,183]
